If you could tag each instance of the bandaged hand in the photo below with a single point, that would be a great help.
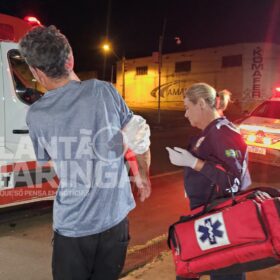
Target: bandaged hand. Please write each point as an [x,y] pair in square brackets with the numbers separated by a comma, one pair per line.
[181,157]
[136,135]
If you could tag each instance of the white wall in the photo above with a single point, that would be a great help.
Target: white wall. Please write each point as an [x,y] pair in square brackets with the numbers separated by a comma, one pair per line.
[141,90]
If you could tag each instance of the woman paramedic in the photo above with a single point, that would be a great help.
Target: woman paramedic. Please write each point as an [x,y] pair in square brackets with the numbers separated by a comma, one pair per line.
[217,157]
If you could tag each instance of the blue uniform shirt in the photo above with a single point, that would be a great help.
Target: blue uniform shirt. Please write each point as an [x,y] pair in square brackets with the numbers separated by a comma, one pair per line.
[78,126]
[225,154]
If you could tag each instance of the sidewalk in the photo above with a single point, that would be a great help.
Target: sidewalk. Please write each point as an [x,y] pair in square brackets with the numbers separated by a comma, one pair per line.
[162,268]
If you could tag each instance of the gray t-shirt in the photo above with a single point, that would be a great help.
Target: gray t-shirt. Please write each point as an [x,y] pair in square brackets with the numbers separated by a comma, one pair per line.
[78,126]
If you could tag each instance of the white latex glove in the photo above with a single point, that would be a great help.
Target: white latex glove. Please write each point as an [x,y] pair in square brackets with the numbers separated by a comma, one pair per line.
[181,157]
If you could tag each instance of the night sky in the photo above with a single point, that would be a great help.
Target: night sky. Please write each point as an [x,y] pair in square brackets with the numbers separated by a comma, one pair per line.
[134,27]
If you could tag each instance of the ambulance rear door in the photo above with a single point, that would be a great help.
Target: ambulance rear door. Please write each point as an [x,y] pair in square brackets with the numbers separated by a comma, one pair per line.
[15,87]
[2,114]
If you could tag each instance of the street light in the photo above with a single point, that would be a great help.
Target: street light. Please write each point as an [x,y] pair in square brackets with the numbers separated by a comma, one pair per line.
[107,48]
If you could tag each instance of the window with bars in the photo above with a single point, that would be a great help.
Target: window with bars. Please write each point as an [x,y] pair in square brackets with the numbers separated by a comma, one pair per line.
[142,70]
[183,66]
[231,61]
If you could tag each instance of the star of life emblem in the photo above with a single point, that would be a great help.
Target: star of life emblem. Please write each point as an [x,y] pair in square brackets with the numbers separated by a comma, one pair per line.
[211,232]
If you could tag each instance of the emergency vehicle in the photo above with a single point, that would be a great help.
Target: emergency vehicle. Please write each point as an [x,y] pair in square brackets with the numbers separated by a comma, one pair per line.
[261,131]
[21,179]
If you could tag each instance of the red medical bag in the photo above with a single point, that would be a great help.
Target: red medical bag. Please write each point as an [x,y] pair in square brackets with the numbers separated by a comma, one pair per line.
[228,236]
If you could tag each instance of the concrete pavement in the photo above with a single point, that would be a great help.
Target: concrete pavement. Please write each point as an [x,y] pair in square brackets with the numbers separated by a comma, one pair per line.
[162,268]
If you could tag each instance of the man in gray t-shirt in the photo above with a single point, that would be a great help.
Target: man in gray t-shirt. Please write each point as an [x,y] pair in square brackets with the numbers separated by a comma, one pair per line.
[81,127]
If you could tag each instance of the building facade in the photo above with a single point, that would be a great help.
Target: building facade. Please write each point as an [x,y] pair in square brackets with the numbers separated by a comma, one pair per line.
[249,70]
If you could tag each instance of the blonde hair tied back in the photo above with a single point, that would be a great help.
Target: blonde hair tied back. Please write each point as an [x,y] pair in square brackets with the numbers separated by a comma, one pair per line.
[215,100]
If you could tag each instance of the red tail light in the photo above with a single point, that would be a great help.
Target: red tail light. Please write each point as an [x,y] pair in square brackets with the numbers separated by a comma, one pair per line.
[276,92]
[32,21]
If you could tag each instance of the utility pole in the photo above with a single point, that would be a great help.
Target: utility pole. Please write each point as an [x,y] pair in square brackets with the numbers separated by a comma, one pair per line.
[123,77]
[161,38]
[104,67]
[106,47]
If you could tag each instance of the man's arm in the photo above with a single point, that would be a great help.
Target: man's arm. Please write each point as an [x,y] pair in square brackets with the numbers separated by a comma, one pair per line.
[137,138]
[143,180]
[136,135]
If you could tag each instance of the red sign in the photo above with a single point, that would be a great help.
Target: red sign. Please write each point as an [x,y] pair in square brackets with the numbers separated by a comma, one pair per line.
[257,67]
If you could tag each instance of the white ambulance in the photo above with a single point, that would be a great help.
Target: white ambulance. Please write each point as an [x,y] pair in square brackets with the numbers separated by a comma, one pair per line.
[21,180]
[261,131]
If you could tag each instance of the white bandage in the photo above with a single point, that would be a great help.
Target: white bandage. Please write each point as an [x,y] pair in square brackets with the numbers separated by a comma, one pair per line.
[136,135]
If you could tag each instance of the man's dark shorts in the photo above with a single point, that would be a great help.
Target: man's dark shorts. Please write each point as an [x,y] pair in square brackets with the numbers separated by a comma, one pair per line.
[95,257]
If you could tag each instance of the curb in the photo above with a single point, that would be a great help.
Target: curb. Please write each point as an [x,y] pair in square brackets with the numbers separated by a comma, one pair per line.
[166,174]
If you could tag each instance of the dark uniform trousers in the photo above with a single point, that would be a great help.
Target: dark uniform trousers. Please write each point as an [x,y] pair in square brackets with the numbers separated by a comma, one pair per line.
[95,257]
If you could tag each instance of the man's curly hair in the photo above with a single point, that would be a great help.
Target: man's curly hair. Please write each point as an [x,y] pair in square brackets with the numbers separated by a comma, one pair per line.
[47,49]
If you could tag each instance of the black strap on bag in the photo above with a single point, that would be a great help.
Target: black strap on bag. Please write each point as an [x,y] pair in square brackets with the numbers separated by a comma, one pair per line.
[204,210]
[171,235]
[207,207]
